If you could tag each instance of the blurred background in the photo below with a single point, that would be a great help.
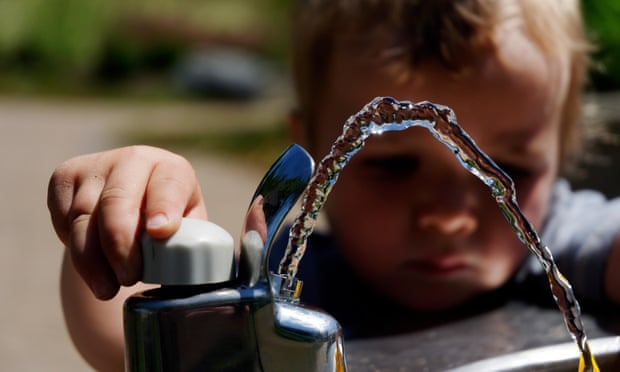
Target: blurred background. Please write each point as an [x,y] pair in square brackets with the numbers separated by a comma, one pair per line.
[208,79]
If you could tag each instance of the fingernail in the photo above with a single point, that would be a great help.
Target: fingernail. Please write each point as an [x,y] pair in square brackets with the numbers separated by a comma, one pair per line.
[157,221]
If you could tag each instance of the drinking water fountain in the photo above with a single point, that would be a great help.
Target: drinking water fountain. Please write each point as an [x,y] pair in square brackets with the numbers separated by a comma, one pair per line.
[221,309]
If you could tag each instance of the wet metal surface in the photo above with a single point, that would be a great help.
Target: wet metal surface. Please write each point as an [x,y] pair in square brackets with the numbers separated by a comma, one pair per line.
[557,358]
[513,327]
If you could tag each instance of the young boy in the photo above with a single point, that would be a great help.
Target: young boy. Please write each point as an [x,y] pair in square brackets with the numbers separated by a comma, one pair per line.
[410,230]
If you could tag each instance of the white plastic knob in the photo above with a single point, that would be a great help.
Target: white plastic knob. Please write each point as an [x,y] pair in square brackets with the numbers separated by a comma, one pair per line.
[200,252]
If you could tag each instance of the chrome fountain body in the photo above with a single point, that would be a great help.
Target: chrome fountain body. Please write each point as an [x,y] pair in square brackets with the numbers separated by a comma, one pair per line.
[221,309]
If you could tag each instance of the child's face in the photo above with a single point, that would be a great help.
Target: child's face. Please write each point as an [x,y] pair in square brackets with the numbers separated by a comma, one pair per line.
[407,217]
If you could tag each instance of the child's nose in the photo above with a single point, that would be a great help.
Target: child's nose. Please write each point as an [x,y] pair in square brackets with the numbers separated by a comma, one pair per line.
[449,222]
[450,208]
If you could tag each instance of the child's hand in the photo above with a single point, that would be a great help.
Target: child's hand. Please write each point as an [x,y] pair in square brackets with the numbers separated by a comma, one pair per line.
[100,203]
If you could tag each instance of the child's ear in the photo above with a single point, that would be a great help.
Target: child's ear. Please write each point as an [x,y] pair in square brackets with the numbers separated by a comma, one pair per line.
[297,130]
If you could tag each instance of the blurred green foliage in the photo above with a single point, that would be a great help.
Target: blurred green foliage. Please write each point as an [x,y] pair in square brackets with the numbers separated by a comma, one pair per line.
[68,43]
[603,21]
[75,42]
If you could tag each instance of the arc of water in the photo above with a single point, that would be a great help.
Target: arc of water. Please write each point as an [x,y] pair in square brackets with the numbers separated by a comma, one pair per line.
[387,114]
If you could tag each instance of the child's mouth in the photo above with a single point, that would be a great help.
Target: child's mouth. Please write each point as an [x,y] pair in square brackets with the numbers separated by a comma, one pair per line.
[438,265]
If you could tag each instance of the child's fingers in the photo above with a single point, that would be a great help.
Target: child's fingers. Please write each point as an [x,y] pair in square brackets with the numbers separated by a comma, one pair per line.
[81,230]
[99,204]
[173,192]
[118,216]
[150,187]
[60,199]
[88,258]
[73,194]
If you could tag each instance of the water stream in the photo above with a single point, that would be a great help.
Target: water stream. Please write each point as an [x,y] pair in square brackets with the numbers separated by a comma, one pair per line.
[385,114]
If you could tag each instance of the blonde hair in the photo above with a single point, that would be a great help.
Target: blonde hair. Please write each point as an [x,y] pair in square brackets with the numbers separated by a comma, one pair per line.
[448,32]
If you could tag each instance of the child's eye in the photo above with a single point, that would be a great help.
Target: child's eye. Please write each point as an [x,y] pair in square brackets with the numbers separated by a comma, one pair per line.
[391,167]
[517,173]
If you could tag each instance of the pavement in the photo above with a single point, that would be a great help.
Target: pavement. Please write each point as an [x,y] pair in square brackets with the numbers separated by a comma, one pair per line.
[36,136]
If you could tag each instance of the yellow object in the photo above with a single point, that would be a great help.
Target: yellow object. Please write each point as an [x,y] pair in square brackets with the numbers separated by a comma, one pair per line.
[582,367]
